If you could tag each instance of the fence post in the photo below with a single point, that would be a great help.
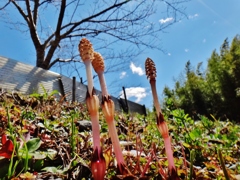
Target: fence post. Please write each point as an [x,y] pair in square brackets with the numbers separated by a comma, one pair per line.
[61,87]
[144,109]
[73,89]
[125,97]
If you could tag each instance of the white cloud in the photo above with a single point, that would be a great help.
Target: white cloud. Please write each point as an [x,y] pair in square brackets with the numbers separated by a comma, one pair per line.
[169,54]
[186,50]
[204,40]
[123,74]
[137,70]
[135,92]
[193,16]
[163,21]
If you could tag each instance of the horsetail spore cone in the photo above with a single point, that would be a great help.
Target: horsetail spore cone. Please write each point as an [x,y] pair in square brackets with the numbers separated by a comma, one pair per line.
[86,52]
[98,66]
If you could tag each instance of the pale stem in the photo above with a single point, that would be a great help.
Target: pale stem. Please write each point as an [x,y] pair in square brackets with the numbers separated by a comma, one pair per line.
[169,153]
[155,97]
[89,76]
[115,141]
[102,84]
[95,131]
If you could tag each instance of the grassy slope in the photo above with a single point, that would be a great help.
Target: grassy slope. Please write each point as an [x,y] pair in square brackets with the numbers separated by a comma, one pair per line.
[48,144]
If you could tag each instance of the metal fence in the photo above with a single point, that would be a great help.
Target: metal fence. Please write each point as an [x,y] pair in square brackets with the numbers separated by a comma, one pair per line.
[28,79]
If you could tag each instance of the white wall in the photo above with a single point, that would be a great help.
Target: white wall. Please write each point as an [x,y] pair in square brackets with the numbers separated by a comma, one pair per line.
[27,79]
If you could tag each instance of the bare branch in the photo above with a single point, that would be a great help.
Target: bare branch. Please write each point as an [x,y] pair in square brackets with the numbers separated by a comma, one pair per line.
[176,9]
[62,61]
[74,25]
[127,23]
[21,11]
[75,9]
[35,11]
[60,18]
[1,8]
[31,23]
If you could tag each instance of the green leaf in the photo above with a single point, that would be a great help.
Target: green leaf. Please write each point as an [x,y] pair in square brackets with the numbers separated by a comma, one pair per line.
[196,133]
[186,145]
[52,170]
[38,155]
[33,144]
[51,153]
[54,92]
[37,166]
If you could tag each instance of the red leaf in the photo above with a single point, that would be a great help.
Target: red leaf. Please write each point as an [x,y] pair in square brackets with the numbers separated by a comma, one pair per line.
[7,147]
[4,139]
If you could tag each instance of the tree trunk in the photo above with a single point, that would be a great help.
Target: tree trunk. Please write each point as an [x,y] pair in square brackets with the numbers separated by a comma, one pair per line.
[40,55]
[43,58]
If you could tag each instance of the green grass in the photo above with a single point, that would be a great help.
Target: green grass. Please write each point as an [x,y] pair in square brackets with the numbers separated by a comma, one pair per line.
[47,142]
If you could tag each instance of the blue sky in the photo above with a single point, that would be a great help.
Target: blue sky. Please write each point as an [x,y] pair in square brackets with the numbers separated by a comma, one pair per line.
[209,23]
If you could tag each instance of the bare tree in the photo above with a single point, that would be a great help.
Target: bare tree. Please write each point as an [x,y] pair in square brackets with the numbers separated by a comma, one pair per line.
[56,26]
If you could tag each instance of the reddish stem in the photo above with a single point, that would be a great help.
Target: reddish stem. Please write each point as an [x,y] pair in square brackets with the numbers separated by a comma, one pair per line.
[108,111]
[95,132]
[115,141]
[163,129]
[169,153]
